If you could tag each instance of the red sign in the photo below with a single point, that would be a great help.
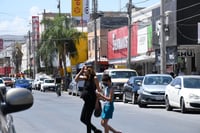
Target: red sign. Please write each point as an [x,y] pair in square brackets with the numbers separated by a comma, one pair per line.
[118,43]
[35,27]
[1,44]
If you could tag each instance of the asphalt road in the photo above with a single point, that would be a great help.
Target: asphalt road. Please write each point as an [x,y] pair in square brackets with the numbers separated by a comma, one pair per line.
[52,114]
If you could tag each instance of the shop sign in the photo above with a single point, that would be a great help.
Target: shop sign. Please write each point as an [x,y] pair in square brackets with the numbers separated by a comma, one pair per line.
[186,53]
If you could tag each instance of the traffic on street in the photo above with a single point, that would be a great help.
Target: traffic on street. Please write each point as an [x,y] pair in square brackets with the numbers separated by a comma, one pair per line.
[133,66]
[54,114]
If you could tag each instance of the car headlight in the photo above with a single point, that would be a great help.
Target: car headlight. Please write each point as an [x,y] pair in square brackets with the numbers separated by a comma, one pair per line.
[146,92]
[193,96]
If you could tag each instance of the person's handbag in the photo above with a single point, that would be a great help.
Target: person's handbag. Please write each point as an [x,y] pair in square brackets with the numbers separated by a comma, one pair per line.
[98,109]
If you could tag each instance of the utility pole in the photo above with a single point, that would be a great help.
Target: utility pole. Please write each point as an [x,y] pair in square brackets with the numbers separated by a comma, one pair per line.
[162,45]
[129,6]
[58,6]
[95,32]
[29,53]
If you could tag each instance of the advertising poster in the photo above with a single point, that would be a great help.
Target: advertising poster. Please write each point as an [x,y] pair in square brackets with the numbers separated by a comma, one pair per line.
[77,8]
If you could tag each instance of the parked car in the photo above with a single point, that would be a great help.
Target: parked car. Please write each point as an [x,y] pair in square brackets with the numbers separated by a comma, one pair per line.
[23,83]
[131,87]
[184,93]
[15,100]
[48,85]
[152,89]
[37,83]
[118,78]
[8,81]
[31,82]
[2,86]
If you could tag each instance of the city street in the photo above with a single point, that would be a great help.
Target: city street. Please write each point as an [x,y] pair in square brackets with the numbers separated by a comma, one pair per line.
[52,114]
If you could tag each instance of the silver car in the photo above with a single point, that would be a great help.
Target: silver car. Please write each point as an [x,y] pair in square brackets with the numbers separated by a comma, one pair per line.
[152,89]
[13,100]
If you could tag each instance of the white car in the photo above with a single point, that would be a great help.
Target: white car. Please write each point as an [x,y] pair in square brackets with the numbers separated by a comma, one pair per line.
[48,85]
[184,93]
[37,83]
[118,78]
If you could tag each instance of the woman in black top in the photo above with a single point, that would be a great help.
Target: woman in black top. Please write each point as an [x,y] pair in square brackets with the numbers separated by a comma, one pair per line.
[89,96]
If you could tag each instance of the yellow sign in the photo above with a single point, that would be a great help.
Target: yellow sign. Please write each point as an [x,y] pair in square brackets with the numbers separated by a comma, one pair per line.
[82,50]
[77,8]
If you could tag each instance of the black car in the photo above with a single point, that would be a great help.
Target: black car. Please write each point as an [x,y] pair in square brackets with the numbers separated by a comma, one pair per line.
[130,89]
[13,100]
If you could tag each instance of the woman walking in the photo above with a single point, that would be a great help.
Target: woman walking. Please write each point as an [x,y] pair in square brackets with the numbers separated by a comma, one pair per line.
[89,96]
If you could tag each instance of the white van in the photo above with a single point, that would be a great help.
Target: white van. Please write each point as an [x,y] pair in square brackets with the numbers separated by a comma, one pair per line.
[118,78]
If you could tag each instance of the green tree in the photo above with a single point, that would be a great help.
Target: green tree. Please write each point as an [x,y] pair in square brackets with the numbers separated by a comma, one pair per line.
[17,58]
[58,38]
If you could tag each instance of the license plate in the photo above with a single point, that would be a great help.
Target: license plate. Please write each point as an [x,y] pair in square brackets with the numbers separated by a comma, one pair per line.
[159,98]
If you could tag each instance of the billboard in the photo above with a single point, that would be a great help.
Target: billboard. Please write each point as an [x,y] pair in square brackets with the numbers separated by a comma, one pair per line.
[142,41]
[77,8]
[82,50]
[118,43]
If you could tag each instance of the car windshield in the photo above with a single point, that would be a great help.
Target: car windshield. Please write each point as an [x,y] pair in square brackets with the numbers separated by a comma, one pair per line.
[22,81]
[99,77]
[157,80]
[138,80]
[122,74]
[42,79]
[191,83]
[7,79]
[1,81]
[49,81]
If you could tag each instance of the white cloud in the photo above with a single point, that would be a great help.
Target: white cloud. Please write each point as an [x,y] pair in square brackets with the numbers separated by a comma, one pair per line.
[15,26]
[18,25]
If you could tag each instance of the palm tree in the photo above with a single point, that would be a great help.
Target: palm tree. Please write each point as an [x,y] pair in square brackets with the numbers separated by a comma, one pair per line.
[58,38]
[17,58]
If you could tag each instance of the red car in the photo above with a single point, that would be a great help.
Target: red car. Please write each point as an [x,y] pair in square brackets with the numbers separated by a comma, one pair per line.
[8,81]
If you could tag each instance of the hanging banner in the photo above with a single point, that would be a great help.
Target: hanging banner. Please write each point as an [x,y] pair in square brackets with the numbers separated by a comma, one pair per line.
[77,8]
[35,27]
[171,56]
[86,13]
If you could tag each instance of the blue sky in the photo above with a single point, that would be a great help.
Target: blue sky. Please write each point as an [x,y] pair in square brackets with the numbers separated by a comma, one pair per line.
[15,15]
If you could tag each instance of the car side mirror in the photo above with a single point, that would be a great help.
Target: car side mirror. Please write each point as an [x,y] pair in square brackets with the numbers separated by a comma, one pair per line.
[177,86]
[17,100]
[139,83]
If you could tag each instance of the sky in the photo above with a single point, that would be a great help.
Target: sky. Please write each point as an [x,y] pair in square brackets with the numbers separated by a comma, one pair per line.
[15,15]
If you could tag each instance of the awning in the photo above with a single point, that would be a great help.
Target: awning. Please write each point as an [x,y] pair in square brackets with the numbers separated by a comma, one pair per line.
[139,58]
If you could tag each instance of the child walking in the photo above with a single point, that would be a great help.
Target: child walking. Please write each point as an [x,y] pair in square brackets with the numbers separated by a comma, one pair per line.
[108,107]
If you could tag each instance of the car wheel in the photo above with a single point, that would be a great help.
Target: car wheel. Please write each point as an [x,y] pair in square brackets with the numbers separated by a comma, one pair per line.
[140,104]
[168,106]
[124,98]
[182,105]
[134,98]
